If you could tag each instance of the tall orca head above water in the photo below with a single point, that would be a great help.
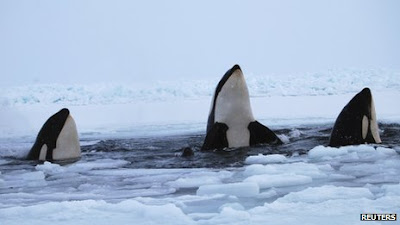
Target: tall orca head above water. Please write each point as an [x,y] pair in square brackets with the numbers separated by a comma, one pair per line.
[58,140]
[231,122]
[357,123]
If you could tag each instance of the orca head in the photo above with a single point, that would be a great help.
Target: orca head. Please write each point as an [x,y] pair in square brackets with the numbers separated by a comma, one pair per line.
[57,140]
[370,129]
[357,123]
[231,99]
[231,122]
[231,106]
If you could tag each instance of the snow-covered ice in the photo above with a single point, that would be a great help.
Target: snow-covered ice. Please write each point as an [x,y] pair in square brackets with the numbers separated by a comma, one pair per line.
[264,159]
[243,189]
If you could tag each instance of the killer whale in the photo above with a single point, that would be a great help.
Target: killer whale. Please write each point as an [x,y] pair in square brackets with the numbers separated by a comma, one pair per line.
[231,122]
[57,140]
[356,123]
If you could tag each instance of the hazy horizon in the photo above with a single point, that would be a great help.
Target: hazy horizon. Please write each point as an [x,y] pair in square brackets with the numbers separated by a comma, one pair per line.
[103,41]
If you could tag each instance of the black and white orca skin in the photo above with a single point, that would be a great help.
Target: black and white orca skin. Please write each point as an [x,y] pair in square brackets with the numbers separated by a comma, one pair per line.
[357,123]
[230,122]
[58,140]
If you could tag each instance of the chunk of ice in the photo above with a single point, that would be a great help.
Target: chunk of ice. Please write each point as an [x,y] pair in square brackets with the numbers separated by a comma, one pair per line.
[245,189]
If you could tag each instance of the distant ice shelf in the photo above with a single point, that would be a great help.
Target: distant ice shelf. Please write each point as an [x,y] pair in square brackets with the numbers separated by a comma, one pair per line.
[333,82]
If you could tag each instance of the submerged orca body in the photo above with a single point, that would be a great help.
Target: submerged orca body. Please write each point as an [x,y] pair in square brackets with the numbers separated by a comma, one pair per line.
[357,123]
[57,140]
[231,122]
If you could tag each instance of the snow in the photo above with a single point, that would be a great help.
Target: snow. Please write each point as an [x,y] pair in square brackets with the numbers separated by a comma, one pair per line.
[99,212]
[295,168]
[325,186]
[326,152]
[281,180]
[245,189]
[199,179]
[309,192]
[332,82]
[391,189]
[264,159]
[325,193]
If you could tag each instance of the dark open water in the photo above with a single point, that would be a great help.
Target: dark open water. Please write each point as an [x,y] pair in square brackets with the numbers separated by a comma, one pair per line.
[164,152]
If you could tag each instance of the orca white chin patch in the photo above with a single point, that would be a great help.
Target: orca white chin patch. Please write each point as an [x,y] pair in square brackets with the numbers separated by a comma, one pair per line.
[43,153]
[374,123]
[67,145]
[371,125]
[233,108]
[233,101]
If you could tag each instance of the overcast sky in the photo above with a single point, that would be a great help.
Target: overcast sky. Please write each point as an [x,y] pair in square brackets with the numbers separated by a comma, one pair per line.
[100,41]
